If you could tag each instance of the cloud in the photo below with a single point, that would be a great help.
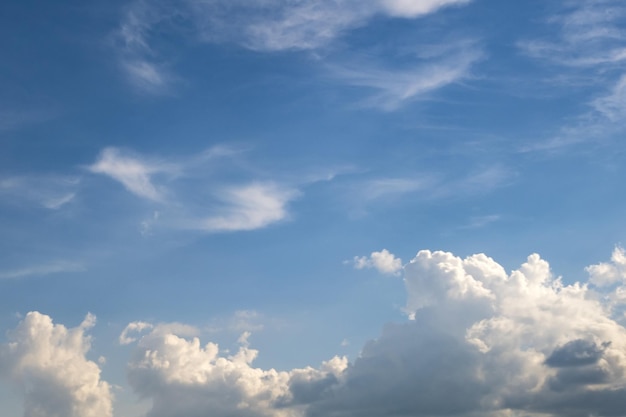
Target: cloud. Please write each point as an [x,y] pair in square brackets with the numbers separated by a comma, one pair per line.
[249,207]
[184,378]
[194,194]
[48,362]
[588,33]
[395,87]
[262,25]
[275,25]
[413,8]
[384,262]
[518,343]
[56,267]
[133,172]
[589,42]
[505,344]
[609,273]
[52,192]
[139,61]
[134,327]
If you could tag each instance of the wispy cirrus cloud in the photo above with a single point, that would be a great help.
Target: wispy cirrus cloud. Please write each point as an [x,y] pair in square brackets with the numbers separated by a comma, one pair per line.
[264,26]
[48,191]
[132,171]
[588,46]
[56,267]
[431,186]
[396,87]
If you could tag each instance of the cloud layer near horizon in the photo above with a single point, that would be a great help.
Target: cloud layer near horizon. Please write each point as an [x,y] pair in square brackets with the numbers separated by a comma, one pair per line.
[479,342]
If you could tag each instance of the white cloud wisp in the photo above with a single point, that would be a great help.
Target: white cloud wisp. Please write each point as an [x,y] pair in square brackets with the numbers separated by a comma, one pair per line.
[133,173]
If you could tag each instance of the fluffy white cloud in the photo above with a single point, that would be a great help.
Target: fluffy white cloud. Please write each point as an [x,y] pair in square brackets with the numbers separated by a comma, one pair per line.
[608,273]
[184,378]
[383,261]
[486,343]
[48,362]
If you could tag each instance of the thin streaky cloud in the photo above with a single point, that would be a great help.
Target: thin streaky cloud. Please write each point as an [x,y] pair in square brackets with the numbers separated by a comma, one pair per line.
[51,191]
[56,267]
[393,87]
[263,26]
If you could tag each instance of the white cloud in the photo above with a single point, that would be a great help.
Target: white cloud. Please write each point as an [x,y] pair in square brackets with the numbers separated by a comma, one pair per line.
[298,25]
[183,378]
[384,262]
[589,44]
[193,194]
[395,87]
[57,267]
[266,25]
[48,362]
[134,327]
[133,172]
[250,207]
[589,33]
[605,273]
[519,343]
[50,191]
[522,343]
[386,187]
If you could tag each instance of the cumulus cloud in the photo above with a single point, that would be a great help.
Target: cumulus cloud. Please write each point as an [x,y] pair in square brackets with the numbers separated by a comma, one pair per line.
[47,361]
[184,378]
[479,342]
[384,262]
[483,342]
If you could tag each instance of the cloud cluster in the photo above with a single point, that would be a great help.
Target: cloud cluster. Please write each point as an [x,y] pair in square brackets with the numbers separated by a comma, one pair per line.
[184,378]
[484,342]
[479,342]
[48,362]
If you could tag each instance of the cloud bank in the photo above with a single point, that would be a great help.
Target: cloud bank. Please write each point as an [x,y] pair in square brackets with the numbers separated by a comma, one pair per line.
[479,342]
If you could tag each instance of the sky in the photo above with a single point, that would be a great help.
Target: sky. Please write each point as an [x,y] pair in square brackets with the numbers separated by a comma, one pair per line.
[292,208]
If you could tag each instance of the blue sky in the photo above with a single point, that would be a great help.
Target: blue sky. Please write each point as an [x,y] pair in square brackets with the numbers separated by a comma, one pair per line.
[213,168]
